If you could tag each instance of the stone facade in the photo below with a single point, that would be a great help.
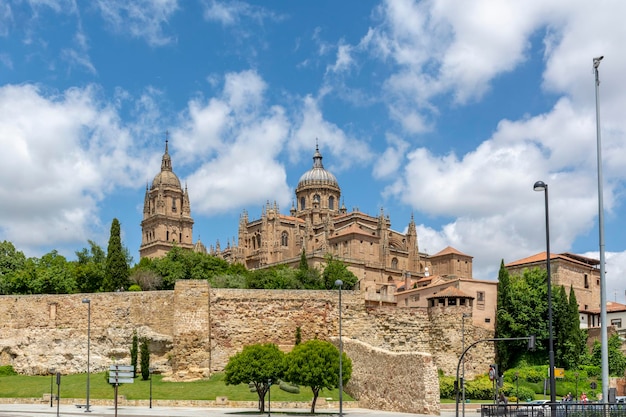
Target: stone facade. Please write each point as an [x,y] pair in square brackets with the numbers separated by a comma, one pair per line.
[568,270]
[193,330]
[166,214]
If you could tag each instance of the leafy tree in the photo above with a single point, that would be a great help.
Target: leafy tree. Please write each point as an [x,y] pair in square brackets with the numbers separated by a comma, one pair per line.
[145,359]
[116,272]
[617,360]
[53,275]
[133,353]
[11,261]
[335,269]
[90,267]
[315,364]
[308,277]
[260,365]
[504,318]
[277,277]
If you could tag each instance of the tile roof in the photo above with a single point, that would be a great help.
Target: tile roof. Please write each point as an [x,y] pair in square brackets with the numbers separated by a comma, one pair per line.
[450,292]
[449,250]
[541,257]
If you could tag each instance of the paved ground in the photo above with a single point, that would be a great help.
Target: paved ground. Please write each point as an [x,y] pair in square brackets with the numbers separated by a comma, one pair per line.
[32,410]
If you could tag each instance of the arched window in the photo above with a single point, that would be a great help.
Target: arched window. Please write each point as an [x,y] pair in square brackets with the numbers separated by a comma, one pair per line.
[394,263]
[331,202]
[284,239]
[316,198]
[302,203]
[258,241]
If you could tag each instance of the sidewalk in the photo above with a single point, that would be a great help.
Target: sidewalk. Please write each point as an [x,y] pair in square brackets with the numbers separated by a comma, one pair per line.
[31,410]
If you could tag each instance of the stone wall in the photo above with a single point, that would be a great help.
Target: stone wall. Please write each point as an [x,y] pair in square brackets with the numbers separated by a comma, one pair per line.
[193,331]
[394,381]
[43,332]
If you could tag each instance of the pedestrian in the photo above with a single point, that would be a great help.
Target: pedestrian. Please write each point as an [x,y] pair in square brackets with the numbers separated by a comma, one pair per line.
[583,398]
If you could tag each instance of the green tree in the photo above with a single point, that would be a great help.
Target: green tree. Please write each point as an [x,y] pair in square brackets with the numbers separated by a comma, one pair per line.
[504,318]
[134,348]
[90,267]
[315,364]
[335,269]
[617,360]
[117,271]
[260,365]
[308,277]
[53,275]
[12,261]
[298,335]
[145,360]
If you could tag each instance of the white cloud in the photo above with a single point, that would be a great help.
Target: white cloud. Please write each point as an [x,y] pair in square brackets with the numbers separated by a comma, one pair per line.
[143,19]
[391,160]
[344,59]
[60,167]
[310,126]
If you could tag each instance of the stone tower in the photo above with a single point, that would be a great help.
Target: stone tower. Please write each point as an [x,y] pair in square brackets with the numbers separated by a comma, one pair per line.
[166,214]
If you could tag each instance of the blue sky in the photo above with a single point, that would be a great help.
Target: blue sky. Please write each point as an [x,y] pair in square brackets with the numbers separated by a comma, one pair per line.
[442,110]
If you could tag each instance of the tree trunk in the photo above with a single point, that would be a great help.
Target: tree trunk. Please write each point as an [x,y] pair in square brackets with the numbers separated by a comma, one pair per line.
[315,394]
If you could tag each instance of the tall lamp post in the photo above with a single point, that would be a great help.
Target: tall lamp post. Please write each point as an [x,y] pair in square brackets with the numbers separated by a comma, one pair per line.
[604,349]
[88,302]
[465,315]
[542,186]
[339,283]
[151,371]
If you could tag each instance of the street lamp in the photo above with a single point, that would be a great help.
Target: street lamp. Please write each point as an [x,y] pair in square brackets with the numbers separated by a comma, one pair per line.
[465,315]
[51,386]
[604,349]
[339,283]
[542,186]
[151,371]
[88,302]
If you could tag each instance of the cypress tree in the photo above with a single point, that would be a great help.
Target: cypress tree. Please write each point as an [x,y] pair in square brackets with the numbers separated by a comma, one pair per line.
[117,271]
[145,360]
[133,353]
[503,317]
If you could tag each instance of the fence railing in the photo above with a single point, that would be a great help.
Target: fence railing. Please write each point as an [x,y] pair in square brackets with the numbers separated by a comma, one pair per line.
[562,409]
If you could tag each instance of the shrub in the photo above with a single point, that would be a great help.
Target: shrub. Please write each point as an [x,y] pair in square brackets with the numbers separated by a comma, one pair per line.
[446,386]
[7,370]
[134,287]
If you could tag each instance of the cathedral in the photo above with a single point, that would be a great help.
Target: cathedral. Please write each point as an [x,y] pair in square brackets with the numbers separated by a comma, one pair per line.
[318,224]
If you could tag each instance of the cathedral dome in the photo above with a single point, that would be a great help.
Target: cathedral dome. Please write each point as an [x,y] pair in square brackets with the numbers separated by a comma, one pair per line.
[317,175]
[166,176]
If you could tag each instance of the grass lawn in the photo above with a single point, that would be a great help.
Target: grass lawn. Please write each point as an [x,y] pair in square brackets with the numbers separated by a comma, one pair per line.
[74,386]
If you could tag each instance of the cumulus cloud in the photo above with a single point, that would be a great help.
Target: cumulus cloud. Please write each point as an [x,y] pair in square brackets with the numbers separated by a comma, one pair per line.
[484,196]
[61,166]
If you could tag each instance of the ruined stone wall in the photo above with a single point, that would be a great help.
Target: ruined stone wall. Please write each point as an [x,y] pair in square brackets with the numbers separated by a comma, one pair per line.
[43,332]
[193,331]
[393,381]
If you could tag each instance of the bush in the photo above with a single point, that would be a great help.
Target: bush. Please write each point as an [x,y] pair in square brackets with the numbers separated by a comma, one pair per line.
[134,287]
[7,370]
[446,386]
[480,388]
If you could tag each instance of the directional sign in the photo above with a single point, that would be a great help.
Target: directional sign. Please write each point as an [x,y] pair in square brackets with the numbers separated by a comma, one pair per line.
[113,380]
[122,374]
[123,368]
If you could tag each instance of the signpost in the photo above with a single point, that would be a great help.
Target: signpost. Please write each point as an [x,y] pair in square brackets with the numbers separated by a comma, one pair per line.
[120,374]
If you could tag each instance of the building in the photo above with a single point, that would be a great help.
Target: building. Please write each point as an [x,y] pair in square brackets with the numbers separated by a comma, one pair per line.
[569,270]
[166,214]
[388,264]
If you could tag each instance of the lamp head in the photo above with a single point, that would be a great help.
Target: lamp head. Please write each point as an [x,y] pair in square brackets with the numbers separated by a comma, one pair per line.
[86,300]
[338,283]
[540,186]
[596,61]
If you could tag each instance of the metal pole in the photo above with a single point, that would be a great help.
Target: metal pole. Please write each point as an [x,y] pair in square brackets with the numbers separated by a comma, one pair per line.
[339,283]
[150,387]
[541,186]
[51,383]
[603,324]
[269,398]
[88,302]
[463,365]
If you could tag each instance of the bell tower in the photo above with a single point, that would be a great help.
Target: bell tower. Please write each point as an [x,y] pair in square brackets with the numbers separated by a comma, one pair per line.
[166,213]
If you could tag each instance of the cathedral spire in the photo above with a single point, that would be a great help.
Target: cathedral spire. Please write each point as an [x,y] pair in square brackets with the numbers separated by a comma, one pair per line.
[166,162]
